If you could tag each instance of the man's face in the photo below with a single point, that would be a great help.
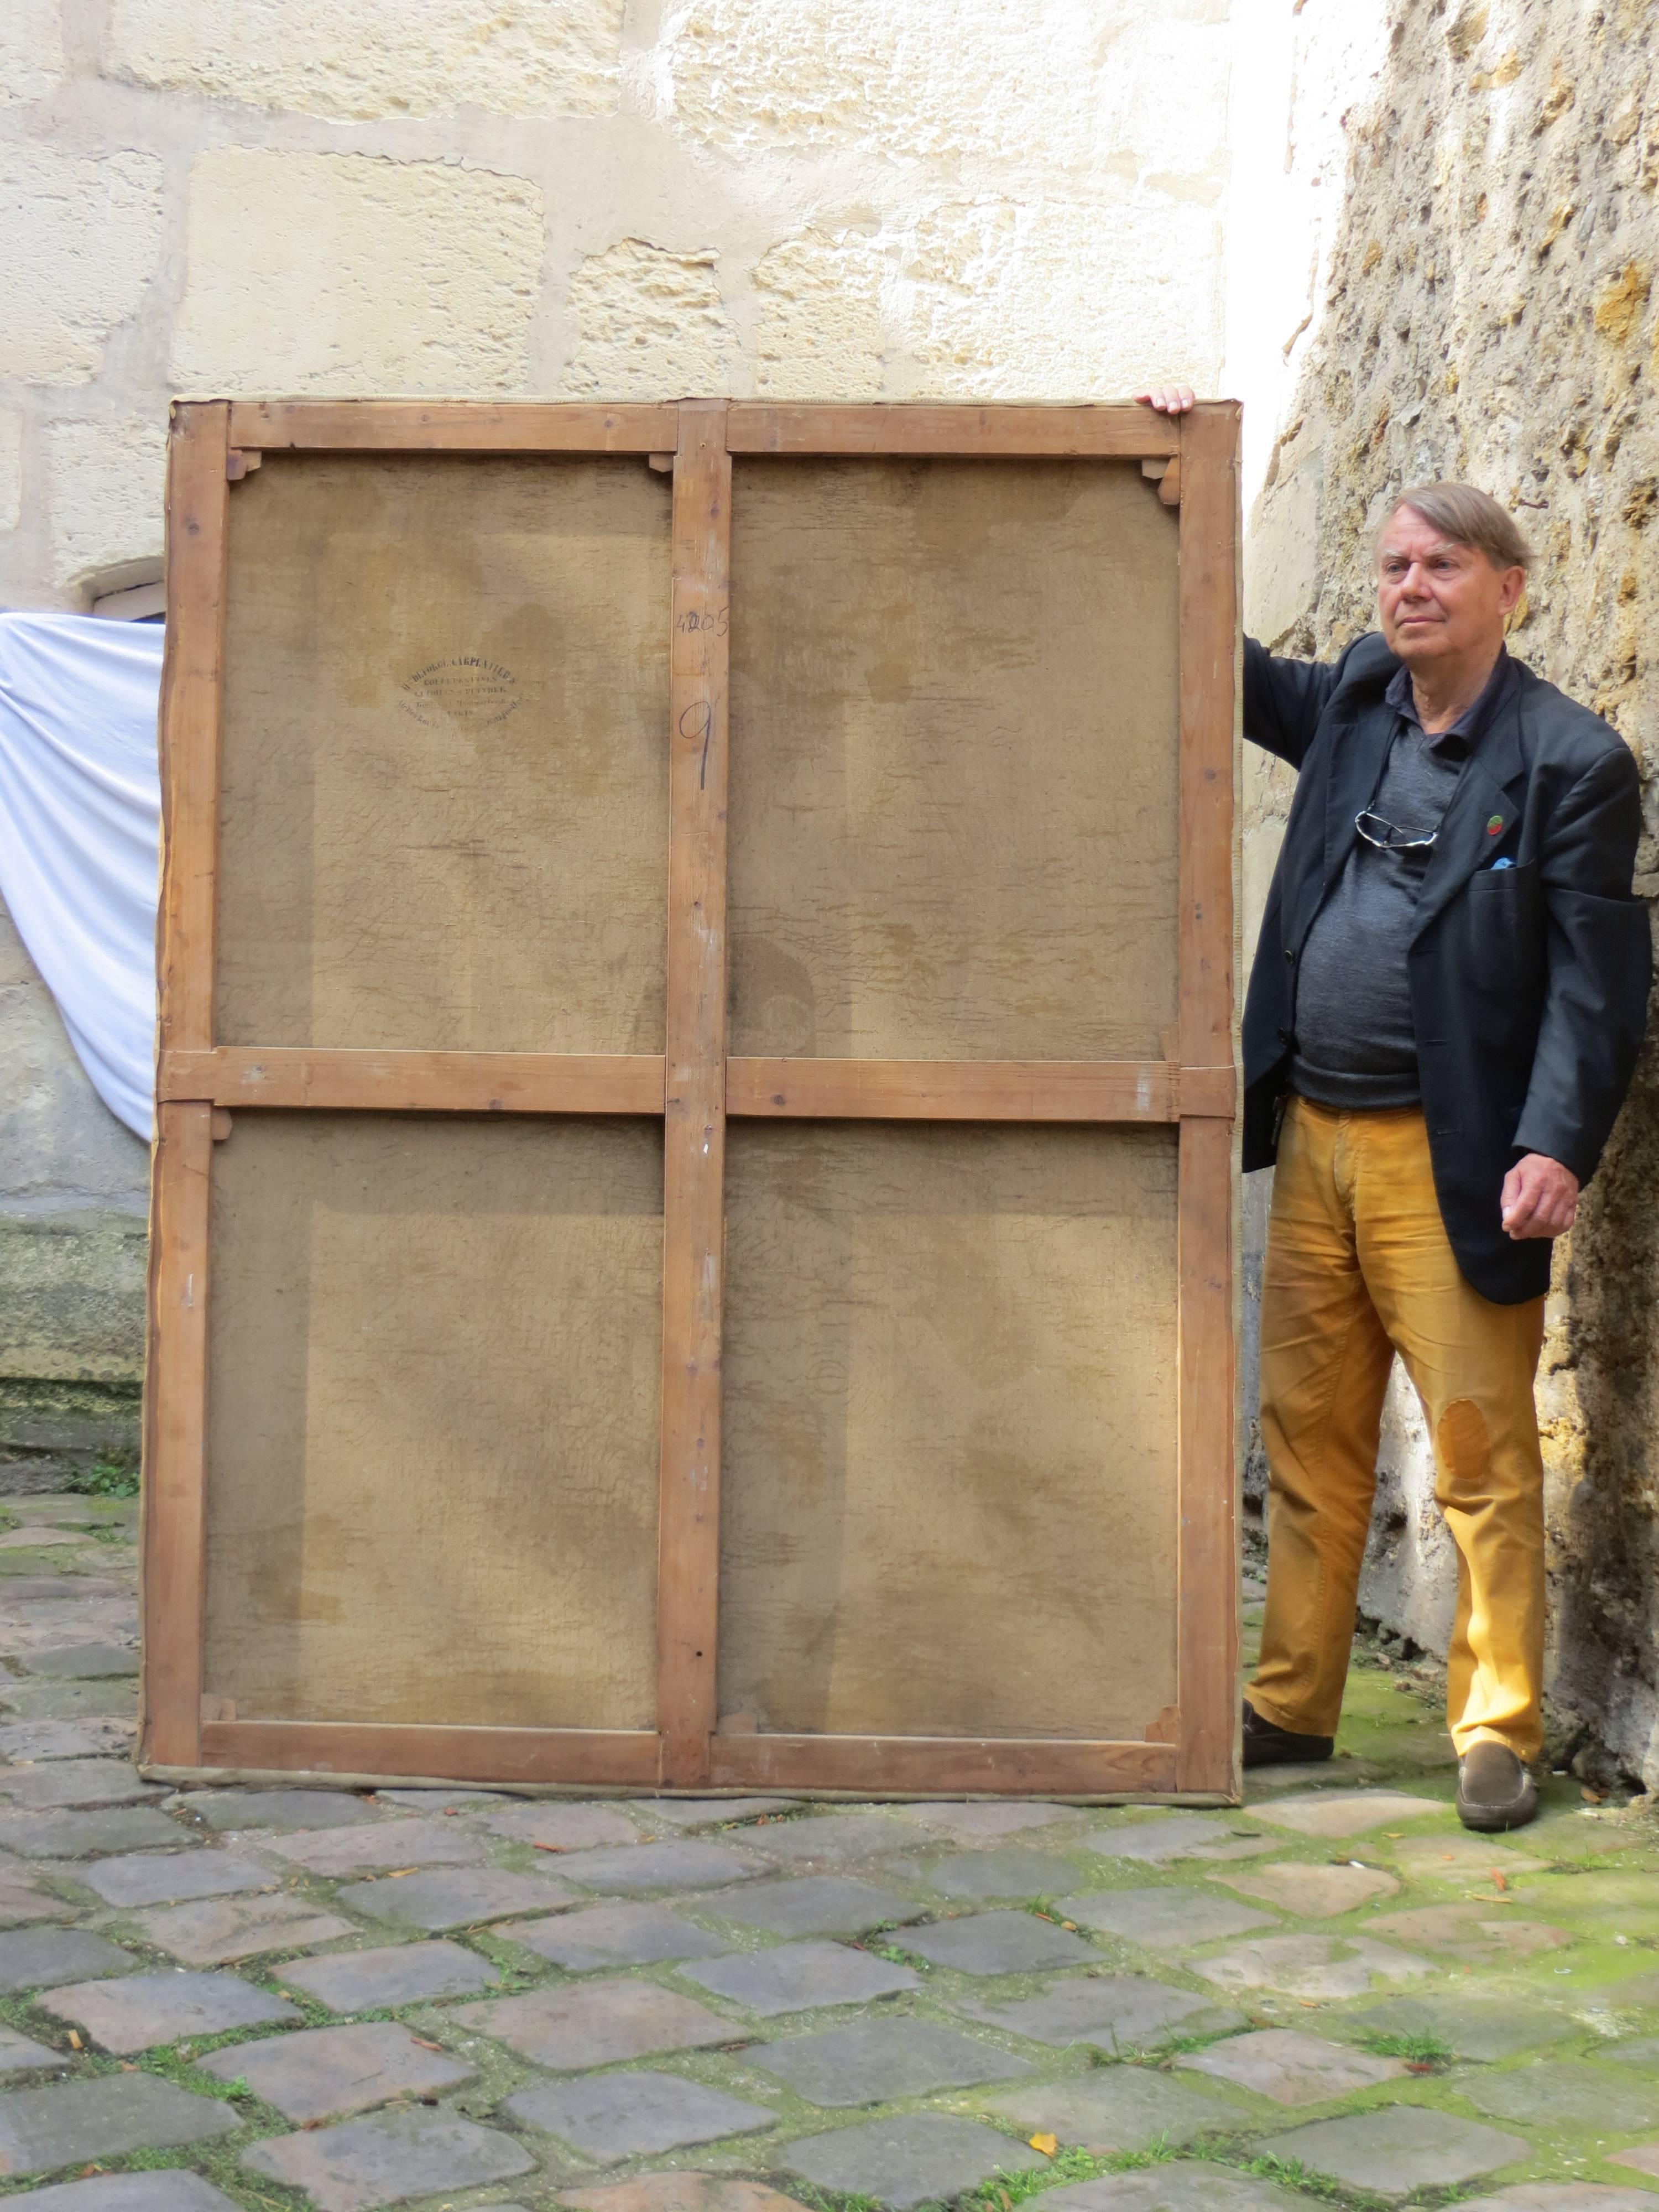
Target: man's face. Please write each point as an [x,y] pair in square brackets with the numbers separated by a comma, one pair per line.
[1440,602]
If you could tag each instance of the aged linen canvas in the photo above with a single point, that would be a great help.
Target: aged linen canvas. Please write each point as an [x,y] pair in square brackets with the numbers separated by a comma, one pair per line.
[693,1244]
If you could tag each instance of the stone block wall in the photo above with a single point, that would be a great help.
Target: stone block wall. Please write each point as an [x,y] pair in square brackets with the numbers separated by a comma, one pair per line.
[625,199]
[1483,308]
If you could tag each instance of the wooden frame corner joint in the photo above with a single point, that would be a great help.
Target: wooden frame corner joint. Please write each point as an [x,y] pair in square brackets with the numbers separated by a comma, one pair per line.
[241,461]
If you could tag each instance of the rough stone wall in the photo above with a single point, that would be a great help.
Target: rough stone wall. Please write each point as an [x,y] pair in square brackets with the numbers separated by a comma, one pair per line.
[803,198]
[1484,308]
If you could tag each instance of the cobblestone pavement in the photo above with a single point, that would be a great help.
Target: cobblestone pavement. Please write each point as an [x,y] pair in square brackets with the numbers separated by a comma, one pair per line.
[451,1999]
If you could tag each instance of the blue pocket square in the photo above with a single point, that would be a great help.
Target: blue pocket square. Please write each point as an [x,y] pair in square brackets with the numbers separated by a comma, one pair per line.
[1497,864]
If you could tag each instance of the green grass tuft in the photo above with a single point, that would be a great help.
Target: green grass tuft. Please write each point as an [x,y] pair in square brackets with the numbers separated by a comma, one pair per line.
[1420,2047]
[105,1478]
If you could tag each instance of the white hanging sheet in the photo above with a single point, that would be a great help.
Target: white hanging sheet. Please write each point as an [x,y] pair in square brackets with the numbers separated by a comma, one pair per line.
[80,832]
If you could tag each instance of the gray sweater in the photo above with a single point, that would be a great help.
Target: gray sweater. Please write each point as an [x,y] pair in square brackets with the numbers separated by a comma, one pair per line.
[1355,1042]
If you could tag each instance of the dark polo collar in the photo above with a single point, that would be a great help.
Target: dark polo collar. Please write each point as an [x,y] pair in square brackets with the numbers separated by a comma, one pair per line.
[1465,734]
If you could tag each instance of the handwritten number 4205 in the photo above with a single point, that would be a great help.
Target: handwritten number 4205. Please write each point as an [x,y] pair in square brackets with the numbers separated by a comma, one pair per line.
[718,620]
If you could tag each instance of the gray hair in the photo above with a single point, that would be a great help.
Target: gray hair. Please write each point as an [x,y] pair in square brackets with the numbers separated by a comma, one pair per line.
[1466,517]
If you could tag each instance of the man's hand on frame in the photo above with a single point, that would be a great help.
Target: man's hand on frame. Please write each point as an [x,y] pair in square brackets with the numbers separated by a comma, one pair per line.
[1167,398]
[1540,1198]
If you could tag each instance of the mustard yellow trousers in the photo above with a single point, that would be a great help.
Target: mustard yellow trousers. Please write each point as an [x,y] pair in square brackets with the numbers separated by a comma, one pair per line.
[1358,1268]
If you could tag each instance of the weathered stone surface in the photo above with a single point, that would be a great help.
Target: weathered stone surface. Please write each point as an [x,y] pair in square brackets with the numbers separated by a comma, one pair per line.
[40,2128]
[1163,1919]
[62,1739]
[674,2192]
[1642,2160]
[357,62]
[561,1827]
[80,1662]
[326,2072]
[75,1782]
[1644,2053]
[598,2024]
[1117,2013]
[1346,1812]
[1399,2148]
[1180,2187]
[1470,1931]
[1456,1858]
[171,1877]
[1290,2068]
[41,1958]
[147,2010]
[1562,2197]
[650,323]
[453,1897]
[285,1810]
[1120,2108]
[982,1819]
[874,2062]
[403,1973]
[90,1835]
[366,1848]
[1470,2028]
[820,333]
[705,1812]
[996,1943]
[19,2055]
[31,52]
[671,1866]
[376,319]
[21,1902]
[613,2115]
[834,1838]
[616,1936]
[796,1977]
[87,235]
[1151,1840]
[369,2163]
[812,1905]
[1011,1871]
[1565,2092]
[175,2190]
[213,1931]
[1313,1966]
[1313,1892]
[902,2162]
[46,1699]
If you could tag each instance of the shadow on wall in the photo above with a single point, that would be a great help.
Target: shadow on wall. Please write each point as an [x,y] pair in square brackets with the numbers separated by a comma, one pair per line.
[1490,315]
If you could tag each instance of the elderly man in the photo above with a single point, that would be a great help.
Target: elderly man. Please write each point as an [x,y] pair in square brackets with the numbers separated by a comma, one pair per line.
[1448,998]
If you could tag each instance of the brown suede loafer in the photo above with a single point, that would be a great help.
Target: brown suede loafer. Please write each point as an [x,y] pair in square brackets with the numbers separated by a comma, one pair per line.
[1494,1790]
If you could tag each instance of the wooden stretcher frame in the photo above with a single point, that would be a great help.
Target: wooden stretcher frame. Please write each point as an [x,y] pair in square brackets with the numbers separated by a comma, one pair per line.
[1189,1750]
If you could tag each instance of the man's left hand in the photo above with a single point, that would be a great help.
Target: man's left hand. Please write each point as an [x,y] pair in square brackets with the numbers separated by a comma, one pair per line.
[1540,1198]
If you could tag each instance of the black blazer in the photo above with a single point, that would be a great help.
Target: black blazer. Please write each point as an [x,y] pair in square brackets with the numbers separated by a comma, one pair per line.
[1530,985]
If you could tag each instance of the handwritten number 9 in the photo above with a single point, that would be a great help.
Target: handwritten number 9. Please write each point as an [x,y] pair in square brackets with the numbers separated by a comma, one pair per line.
[696,727]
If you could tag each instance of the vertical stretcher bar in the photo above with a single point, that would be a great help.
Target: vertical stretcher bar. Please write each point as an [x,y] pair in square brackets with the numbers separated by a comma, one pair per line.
[694,1101]
[175,1368]
[1207,1754]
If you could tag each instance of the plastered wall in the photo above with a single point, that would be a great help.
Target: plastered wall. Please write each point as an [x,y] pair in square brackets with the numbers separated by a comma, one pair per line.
[806,198]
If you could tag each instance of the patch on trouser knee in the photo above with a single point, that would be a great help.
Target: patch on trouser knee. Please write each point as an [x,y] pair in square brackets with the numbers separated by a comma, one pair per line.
[1462,1443]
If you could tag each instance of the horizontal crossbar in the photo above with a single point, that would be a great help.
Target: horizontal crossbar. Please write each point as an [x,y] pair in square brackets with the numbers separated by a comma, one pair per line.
[480,426]
[299,1077]
[454,426]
